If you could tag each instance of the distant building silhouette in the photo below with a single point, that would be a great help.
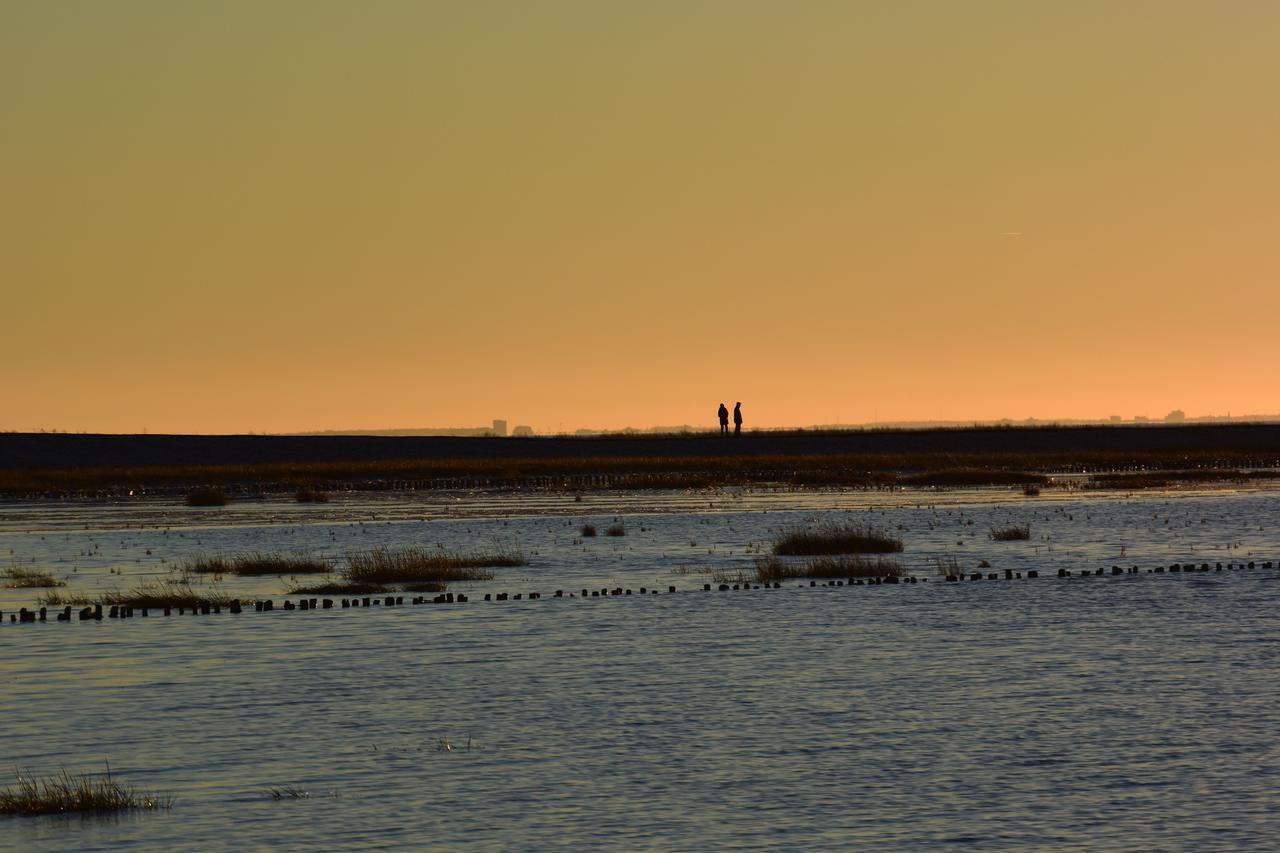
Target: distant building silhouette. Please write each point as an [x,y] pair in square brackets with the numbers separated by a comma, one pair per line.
[499,427]
[1177,416]
[522,431]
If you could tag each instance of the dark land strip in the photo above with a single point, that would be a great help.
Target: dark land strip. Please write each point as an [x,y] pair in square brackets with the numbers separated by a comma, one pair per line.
[51,464]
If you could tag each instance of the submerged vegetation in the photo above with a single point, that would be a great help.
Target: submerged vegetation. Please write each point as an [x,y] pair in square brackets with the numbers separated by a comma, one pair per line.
[16,578]
[63,793]
[1012,533]
[835,538]
[339,587]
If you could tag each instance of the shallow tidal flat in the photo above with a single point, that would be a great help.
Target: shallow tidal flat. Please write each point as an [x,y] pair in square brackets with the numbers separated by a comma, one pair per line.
[1131,712]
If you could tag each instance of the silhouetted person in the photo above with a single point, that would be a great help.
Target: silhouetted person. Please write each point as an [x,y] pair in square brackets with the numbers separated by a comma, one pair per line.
[737,419]
[724,420]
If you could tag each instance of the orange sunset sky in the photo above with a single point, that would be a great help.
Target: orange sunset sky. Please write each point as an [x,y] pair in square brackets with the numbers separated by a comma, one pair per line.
[280,216]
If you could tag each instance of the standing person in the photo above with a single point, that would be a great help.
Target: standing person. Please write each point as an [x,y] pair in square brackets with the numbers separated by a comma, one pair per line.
[724,420]
[737,419]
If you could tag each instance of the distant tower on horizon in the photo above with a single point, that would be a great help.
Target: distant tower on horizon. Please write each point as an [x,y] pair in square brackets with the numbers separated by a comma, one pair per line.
[499,427]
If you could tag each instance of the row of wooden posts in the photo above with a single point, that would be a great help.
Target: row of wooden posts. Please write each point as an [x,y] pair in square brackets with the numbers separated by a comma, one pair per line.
[96,612]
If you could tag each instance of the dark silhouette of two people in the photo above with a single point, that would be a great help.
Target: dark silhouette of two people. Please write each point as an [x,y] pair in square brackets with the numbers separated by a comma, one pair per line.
[724,419]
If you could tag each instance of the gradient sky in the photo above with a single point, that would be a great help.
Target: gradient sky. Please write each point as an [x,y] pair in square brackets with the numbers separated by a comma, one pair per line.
[278,216]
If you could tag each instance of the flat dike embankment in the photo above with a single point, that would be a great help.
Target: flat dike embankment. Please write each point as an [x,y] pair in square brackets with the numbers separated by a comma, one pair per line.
[28,451]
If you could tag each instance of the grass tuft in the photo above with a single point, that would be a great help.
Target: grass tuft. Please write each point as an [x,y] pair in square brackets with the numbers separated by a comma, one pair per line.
[587,530]
[16,578]
[771,569]
[206,496]
[615,530]
[1013,533]
[64,793]
[257,564]
[165,593]
[832,538]
[418,565]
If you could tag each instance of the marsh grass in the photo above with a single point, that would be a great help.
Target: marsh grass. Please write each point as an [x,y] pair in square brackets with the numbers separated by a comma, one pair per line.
[307,495]
[418,565]
[63,793]
[615,530]
[165,593]
[255,564]
[1031,490]
[206,496]
[1012,533]
[833,538]
[772,569]
[16,578]
[587,531]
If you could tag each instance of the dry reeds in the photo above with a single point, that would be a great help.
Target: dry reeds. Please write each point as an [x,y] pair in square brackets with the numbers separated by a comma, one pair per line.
[418,565]
[1012,533]
[772,569]
[206,496]
[16,578]
[257,564]
[64,793]
[834,538]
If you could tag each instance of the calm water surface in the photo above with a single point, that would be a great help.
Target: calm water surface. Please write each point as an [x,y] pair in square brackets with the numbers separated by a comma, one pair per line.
[1137,712]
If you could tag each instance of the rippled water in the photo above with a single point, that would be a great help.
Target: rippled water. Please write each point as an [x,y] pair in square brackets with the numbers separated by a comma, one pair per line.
[1136,712]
